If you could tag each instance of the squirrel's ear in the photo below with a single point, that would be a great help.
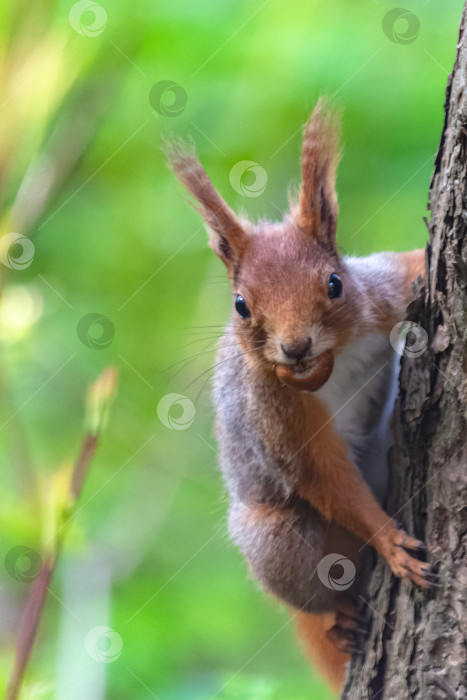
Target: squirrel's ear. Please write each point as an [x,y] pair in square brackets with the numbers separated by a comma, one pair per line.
[317,210]
[227,236]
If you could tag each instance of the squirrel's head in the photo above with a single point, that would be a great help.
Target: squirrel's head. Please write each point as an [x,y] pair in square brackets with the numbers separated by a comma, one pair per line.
[292,296]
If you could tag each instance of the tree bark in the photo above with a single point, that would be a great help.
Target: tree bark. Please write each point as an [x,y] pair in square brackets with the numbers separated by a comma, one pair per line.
[417,644]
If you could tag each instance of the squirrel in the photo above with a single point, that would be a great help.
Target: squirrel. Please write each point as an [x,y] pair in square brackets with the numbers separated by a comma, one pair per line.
[304,388]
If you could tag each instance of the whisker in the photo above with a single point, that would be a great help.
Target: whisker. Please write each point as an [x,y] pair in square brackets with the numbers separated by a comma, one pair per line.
[191,358]
[214,325]
[213,369]
[187,359]
[218,364]
[199,340]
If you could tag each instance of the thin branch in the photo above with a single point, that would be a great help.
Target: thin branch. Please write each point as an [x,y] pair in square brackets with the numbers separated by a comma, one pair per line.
[100,396]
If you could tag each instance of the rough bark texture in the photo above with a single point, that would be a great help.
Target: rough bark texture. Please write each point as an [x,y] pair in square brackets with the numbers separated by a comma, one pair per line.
[417,646]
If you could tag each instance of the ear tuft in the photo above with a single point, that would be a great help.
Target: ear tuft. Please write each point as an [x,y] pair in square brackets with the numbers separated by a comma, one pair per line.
[317,210]
[227,236]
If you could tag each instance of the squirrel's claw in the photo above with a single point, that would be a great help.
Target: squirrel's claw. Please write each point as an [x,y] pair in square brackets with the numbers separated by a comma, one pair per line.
[350,631]
[394,544]
[432,578]
[347,641]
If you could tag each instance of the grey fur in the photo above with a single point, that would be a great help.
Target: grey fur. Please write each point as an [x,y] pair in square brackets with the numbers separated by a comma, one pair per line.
[283,552]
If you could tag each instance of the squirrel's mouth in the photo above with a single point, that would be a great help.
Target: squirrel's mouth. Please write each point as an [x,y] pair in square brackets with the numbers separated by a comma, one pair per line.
[307,377]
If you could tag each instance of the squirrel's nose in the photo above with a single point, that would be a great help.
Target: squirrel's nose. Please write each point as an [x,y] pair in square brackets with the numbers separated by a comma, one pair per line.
[298,350]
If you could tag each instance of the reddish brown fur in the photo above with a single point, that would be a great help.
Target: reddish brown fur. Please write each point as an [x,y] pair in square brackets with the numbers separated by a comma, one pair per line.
[283,278]
[317,210]
[354,507]
[227,236]
[323,653]
[414,265]
[410,265]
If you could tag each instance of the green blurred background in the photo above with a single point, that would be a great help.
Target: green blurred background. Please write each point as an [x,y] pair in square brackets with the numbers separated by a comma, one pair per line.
[83,177]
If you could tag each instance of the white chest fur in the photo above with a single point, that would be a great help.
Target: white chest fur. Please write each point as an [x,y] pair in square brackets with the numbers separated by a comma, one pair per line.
[360,397]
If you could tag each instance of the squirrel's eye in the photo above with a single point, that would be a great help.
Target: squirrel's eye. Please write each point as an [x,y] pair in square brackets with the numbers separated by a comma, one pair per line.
[335,286]
[241,307]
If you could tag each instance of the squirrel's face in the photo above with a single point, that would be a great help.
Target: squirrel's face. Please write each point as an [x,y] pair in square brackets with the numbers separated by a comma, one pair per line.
[292,299]
[291,292]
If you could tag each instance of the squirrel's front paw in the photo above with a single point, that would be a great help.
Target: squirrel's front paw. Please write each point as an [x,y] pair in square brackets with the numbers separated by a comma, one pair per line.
[394,544]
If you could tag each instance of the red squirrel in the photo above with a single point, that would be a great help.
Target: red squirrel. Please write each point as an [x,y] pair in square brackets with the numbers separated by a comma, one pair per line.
[304,390]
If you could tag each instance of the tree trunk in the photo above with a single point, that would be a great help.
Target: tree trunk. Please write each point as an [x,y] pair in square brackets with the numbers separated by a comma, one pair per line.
[417,646]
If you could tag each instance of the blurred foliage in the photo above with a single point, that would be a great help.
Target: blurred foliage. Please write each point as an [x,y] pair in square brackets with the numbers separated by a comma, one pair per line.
[82,175]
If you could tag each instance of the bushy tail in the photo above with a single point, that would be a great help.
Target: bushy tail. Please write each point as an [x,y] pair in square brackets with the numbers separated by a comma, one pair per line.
[322,652]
